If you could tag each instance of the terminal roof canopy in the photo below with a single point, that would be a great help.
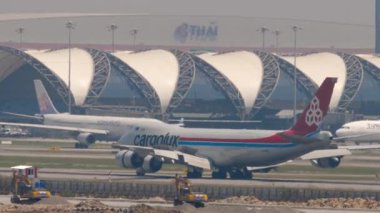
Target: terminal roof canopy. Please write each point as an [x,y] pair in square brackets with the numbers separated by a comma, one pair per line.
[82,69]
[159,67]
[243,68]
[318,66]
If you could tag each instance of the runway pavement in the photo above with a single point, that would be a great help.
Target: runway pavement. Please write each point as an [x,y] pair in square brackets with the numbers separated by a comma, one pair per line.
[278,179]
[362,160]
[210,207]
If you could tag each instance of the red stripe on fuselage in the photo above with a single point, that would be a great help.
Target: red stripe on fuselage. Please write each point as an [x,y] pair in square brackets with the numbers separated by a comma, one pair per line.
[271,139]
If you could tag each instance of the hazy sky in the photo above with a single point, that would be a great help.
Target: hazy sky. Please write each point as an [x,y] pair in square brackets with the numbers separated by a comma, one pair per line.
[357,17]
[352,11]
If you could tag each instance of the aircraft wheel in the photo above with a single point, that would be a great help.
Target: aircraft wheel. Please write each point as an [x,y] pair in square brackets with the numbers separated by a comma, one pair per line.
[193,172]
[81,146]
[247,174]
[140,172]
[221,174]
[242,174]
[236,174]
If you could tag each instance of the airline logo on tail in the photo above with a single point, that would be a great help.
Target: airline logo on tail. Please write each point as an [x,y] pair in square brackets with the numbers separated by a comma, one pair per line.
[314,114]
[44,101]
[43,104]
[317,109]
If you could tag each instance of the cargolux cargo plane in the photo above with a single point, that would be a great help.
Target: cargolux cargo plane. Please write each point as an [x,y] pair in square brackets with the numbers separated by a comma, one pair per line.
[145,144]
[149,143]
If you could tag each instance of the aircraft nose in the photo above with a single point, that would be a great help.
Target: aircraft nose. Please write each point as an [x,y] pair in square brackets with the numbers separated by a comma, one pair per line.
[339,132]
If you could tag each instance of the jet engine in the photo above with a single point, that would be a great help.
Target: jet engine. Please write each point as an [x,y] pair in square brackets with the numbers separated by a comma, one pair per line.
[326,163]
[128,159]
[86,138]
[152,163]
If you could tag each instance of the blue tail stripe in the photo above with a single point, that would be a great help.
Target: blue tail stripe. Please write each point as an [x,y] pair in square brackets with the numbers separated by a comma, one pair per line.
[234,144]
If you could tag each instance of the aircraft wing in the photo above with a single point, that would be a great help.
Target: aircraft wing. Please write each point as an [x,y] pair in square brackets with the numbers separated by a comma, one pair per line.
[360,147]
[298,139]
[322,153]
[65,128]
[340,151]
[169,155]
[325,153]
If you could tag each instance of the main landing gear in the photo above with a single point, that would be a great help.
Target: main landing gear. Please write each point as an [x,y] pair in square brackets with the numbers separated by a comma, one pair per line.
[81,146]
[219,174]
[234,173]
[240,173]
[140,171]
[193,172]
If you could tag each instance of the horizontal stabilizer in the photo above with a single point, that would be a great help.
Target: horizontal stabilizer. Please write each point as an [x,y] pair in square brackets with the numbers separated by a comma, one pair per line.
[298,139]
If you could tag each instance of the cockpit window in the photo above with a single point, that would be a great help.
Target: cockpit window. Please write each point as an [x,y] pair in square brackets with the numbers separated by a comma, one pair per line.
[345,127]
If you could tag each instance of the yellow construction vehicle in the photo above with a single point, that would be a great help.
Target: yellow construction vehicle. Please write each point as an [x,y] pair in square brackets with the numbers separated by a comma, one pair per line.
[26,185]
[184,193]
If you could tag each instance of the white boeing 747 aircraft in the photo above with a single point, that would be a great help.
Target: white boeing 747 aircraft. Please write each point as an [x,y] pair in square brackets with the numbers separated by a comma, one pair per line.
[145,144]
[149,143]
[89,128]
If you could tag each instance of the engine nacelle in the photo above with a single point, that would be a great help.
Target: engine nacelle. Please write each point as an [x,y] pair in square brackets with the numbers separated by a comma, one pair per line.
[324,136]
[86,138]
[128,159]
[152,163]
[326,163]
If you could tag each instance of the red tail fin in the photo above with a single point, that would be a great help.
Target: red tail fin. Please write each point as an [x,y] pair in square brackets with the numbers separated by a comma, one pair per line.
[317,109]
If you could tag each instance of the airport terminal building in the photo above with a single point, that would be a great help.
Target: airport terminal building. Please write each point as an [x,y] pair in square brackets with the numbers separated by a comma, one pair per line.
[174,84]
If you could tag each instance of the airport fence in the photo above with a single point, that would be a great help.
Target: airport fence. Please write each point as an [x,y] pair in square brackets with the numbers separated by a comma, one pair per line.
[71,188]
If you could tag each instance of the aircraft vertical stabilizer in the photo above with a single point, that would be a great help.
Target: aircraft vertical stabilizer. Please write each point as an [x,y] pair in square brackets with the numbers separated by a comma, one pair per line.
[317,109]
[44,102]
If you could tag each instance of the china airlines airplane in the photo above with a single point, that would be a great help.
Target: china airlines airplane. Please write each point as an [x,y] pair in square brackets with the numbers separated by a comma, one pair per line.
[148,144]
[88,128]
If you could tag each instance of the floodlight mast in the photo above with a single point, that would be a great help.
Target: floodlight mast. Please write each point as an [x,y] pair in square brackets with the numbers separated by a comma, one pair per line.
[134,34]
[276,34]
[20,31]
[70,26]
[295,30]
[263,30]
[113,28]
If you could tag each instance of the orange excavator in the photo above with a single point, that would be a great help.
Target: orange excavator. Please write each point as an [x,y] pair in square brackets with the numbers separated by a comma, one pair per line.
[184,193]
[26,185]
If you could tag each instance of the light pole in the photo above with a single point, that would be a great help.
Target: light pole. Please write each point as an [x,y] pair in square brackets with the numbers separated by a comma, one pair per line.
[134,34]
[295,29]
[70,26]
[263,30]
[20,31]
[113,28]
[276,34]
